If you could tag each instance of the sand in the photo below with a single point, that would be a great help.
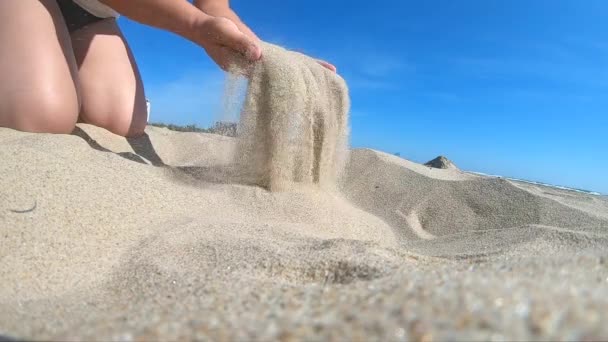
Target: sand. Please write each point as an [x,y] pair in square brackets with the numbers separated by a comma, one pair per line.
[294,126]
[164,237]
[99,243]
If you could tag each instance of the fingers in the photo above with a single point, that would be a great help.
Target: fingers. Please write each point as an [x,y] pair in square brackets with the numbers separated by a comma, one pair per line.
[233,38]
[221,55]
[228,40]
[229,61]
[327,65]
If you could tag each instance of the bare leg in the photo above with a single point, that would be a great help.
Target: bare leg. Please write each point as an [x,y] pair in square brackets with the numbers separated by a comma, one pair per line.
[38,91]
[112,89]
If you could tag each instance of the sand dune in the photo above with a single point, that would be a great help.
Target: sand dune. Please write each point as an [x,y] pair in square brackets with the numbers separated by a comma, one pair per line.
[159,238]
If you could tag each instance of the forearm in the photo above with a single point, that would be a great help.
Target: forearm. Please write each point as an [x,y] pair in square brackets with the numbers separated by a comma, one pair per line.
[178,16]
[221,8]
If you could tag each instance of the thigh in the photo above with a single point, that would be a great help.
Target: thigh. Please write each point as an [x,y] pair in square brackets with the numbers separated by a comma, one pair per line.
[111,87]
[38,91]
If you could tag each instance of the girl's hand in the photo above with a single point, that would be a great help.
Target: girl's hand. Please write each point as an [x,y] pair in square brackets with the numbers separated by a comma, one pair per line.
[225,43]
[220,8]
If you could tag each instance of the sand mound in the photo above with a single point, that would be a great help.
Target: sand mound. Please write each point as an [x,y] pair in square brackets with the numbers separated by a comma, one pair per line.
[441,162]
[293,127]
[416,203]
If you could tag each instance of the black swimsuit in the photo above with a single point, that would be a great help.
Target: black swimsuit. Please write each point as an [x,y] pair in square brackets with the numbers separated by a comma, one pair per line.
[75,16]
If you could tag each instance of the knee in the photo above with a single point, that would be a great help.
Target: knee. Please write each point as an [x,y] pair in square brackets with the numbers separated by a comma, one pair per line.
[119,117]
[41,113]
[135,132]
[138,125]
[131,123]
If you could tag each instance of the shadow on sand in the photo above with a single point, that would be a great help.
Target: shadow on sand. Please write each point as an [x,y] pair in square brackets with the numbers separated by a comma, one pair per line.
[141,145]
[190,175]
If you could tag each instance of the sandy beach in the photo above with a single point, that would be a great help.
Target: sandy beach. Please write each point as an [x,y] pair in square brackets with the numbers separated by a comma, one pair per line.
[158,238]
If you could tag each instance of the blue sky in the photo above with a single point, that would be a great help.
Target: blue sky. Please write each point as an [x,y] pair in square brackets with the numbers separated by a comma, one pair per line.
[512,87]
